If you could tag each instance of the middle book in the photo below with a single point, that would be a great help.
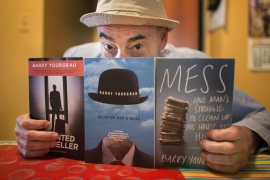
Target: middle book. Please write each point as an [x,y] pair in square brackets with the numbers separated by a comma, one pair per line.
[119,111]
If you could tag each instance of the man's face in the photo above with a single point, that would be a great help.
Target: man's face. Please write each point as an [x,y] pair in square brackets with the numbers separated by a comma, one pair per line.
[131,41]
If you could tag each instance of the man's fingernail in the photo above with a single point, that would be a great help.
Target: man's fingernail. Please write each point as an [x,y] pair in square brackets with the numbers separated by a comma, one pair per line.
[55,136]
[47,124]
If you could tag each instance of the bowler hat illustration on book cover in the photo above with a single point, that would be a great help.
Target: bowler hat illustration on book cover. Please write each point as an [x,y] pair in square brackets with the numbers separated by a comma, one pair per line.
[118,86]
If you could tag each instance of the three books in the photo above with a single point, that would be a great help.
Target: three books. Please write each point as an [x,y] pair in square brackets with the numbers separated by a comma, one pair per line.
[142,112]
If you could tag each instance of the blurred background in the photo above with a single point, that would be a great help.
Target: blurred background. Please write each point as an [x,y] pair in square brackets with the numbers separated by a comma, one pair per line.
[46,28]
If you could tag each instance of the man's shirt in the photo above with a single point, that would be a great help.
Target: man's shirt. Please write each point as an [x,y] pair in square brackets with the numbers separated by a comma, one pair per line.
[110,147]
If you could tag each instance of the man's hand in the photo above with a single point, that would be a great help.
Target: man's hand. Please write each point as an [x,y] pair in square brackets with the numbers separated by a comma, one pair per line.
[31,140]
[230,148]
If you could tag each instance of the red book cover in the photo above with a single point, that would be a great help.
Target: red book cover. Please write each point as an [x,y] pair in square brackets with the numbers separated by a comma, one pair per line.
[56,94]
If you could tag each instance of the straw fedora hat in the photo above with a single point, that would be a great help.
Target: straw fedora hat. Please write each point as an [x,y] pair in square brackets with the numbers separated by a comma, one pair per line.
[129,12]
[118,86]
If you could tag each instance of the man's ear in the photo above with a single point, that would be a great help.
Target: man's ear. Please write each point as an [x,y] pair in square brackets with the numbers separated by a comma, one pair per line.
[163,38]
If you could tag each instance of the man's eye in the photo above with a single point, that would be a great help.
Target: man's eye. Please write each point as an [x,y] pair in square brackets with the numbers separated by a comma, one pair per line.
[138,46]
[107,46]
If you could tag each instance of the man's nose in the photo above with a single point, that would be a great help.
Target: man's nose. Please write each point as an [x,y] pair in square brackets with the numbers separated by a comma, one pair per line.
[122,53]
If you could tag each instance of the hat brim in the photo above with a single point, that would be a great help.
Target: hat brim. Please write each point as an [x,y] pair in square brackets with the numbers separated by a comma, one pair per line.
[99,19]
[123,100]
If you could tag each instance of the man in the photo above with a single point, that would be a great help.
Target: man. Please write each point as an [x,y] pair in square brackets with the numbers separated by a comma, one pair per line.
[133,28]
[55,102]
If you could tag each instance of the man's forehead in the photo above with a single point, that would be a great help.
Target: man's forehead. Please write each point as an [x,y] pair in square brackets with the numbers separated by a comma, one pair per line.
[130,32]
[117,27]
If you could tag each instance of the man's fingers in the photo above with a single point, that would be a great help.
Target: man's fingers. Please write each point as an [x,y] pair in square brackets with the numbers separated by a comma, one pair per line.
[229,134]
[229,150]
[38,135]
[25,122]
[219,159]
[224,163]
[32,153]
[35,145]
[224,168]
[32,142]
[217,147]
[35,124]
